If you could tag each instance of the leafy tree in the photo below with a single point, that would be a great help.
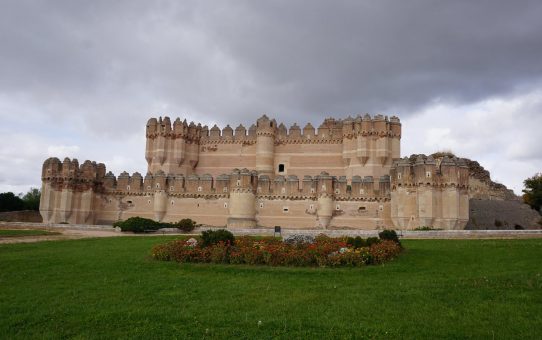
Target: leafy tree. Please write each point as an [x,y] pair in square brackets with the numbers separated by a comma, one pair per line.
[32,199]
[10,202]
[533,192]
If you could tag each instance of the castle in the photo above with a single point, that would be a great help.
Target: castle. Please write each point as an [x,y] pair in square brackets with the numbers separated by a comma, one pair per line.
[345,174]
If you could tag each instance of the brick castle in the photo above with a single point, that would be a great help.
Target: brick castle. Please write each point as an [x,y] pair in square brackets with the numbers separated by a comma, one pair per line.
[345,174]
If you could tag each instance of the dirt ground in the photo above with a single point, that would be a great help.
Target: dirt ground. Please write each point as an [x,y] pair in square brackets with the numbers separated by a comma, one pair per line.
[73,234]
[66,234]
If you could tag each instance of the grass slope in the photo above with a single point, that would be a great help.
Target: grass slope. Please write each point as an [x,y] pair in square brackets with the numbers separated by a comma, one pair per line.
[25,232]
[110,288]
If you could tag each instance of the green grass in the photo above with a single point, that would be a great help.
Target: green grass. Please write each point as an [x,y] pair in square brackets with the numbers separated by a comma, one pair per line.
[110,288]
[24,232]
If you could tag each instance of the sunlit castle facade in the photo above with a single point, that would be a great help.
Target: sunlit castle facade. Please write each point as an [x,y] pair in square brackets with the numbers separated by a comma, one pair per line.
[346,174]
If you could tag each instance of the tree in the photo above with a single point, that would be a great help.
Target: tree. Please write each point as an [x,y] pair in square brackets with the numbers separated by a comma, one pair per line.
[32,199]
[533,192]
[10,202]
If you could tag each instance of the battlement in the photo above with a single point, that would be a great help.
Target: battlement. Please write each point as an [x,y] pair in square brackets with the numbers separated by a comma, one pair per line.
[329,129]
[248,181]
[423,170]
[69,174]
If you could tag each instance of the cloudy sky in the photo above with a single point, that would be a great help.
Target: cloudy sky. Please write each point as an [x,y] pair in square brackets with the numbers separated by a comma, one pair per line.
[81,78]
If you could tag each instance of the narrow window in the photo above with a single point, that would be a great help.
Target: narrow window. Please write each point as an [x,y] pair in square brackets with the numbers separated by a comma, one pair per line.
[428,174]
[172,202]
[281,167]
[312,190]
[311,207]
[360,209]
[171,188]
[225,205]
[337,207]
[261,204]
[238,182]
[337,191]
[127,188]
[285,209]
[399,175]
[283,190]
[225,189]
[200,189]
[129,202]
[157,186]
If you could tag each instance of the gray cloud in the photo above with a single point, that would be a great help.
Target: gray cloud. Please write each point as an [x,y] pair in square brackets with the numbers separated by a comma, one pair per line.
[90,73]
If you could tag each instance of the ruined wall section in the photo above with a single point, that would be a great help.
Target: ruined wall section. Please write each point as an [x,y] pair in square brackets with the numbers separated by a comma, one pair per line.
[427,193]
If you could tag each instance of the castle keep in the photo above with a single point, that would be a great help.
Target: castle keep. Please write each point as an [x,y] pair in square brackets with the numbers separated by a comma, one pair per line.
[344,174]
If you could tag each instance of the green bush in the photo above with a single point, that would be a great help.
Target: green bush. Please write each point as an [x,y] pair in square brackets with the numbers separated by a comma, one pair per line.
[390,235]
[359,242]
[138,224]
[186,225]
[356,242]
[212,237]
[372,240]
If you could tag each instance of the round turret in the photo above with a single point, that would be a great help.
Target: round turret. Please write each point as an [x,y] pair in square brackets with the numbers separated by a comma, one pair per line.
[265,146]
[242,209]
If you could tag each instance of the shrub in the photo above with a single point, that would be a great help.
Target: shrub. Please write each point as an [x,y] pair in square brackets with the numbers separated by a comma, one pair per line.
[212,237]
[356,242]
[372,240]
[186,225]
[384,251]
[137,224]
[498,223]
[389,235]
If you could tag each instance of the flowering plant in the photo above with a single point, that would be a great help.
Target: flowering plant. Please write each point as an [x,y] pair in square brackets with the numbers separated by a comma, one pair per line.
[324,252]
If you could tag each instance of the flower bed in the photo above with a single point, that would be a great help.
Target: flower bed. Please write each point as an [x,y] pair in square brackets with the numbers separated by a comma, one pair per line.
[323,252]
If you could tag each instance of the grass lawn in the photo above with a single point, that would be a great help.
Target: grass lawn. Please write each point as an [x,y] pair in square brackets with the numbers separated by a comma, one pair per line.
[24,232]
[110,288]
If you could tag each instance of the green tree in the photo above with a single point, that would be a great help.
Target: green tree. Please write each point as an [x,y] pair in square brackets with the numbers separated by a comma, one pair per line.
[532,194]
[32,199]
[10,202]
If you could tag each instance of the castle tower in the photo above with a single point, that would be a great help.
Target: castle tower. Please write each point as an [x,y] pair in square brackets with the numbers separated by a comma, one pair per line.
[242,204]
[325,200]
[172,148]
[426,195]
[265,146]
[370,145]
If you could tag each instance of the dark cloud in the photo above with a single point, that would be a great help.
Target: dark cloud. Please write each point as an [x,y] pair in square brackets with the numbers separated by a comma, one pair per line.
[99,69]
